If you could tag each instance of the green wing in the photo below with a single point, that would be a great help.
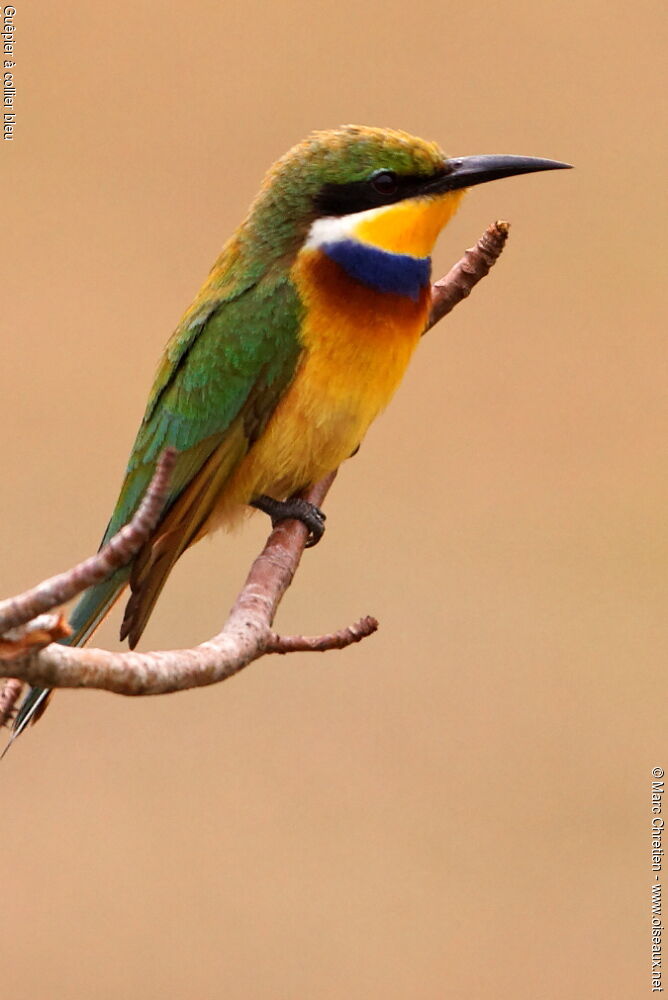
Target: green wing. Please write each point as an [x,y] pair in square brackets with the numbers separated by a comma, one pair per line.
[221,376]
[233,361]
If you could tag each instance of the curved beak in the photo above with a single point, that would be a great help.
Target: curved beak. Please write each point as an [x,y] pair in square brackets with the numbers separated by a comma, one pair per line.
[466,171]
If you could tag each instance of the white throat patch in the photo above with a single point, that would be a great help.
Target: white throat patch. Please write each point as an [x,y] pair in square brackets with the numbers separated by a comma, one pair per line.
[335,228]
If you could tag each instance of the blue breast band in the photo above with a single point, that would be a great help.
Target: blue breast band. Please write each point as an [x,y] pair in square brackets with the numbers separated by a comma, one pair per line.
[381,270]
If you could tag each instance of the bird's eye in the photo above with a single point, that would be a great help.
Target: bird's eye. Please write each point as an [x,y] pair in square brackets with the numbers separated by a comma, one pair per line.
[384,182]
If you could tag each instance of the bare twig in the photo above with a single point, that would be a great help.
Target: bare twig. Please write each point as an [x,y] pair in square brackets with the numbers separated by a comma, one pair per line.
[10,692]
[457,284]
[117,552]
[34,635]
[28,638]
[247,634]
[321,643]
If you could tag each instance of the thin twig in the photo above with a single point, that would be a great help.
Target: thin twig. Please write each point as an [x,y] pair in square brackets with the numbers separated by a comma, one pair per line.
[10,692]
[322,643]
[34,635]
[457,284]
[117,552]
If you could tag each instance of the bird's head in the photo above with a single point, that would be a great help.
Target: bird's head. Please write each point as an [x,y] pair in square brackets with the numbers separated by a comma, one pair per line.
[382,186]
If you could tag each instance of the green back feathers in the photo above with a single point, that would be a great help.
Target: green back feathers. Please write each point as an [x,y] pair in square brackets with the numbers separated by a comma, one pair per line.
[235,361]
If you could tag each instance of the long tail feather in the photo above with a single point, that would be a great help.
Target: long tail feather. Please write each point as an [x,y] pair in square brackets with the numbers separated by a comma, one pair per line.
[30,705]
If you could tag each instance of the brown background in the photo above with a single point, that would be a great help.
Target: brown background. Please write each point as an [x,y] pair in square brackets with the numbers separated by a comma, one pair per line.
[459,807]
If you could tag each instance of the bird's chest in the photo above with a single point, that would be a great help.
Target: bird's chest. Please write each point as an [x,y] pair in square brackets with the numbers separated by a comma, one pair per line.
[365,312]
[358,341]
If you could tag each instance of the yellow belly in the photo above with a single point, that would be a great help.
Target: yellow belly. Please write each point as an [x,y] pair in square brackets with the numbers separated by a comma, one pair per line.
[357,345]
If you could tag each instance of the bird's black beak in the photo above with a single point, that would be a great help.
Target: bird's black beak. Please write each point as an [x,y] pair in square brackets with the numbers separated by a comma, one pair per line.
[466,171]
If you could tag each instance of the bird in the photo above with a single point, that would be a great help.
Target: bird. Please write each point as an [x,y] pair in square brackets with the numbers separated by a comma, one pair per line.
[295,343]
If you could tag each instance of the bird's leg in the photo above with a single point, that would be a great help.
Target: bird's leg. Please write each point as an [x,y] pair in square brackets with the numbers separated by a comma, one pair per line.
[296,508]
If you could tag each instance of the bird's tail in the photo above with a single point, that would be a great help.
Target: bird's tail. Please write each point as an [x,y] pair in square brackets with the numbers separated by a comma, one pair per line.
[88,613]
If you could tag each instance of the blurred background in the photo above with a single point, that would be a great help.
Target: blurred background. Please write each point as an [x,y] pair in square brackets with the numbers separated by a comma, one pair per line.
[459,806]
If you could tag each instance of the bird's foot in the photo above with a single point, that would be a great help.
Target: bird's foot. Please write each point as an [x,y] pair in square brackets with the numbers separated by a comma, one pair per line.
[293,508]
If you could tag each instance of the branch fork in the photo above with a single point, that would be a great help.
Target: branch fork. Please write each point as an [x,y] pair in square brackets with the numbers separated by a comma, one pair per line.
[29,649]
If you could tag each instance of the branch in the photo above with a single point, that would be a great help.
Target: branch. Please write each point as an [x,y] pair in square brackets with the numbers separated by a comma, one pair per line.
[10,692]
[247,634]
[23,624]
[458,283]
[322,643]
[117,552]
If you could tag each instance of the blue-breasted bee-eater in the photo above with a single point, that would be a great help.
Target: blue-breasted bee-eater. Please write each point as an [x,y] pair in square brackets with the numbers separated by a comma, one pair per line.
[296,342]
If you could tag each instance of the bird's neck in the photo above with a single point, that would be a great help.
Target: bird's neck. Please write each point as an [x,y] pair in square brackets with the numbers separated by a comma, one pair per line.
[385,249]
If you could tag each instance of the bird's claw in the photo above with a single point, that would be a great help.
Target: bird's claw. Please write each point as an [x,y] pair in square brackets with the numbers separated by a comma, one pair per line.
[312,517]
[297,509]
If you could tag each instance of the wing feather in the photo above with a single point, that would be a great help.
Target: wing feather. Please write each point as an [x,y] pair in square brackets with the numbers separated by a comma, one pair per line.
[214,401]
[221,375]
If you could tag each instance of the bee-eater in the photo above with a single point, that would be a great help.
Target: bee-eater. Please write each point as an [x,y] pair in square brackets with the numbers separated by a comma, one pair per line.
[295,343]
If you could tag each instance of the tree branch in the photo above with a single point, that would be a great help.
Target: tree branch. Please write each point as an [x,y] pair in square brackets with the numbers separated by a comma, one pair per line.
[28,654]
[117,552]
[476,263]
[10,692]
